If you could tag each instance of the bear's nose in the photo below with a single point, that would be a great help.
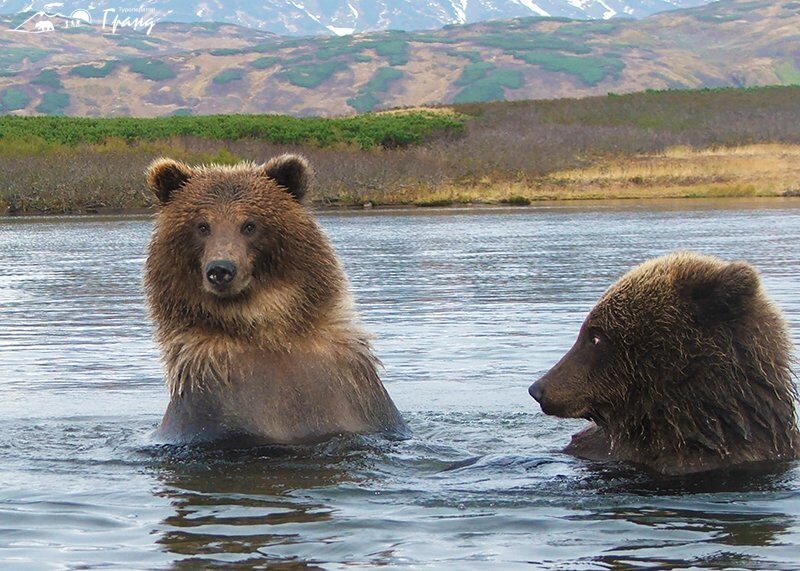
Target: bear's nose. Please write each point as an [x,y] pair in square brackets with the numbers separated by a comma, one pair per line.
[220,272]
[536,391]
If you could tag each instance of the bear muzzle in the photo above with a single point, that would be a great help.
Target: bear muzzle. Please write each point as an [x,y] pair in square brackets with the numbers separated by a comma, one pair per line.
[539,393]
[556,399]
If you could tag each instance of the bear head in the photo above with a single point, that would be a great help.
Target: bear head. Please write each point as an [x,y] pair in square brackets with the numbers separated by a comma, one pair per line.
[234,248]
[682,356]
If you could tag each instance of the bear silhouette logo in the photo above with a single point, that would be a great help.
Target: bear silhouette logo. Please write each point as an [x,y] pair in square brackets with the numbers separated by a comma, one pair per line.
[44,26]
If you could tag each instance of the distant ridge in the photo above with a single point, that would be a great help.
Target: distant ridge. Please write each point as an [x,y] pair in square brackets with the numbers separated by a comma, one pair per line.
[223,68]
[338,17]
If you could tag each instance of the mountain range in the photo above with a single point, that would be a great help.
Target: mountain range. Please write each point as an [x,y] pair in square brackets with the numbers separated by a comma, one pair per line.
[65,66]
[311,17]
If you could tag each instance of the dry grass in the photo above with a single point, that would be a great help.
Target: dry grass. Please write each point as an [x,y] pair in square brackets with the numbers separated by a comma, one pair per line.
[749,170]
[677,172]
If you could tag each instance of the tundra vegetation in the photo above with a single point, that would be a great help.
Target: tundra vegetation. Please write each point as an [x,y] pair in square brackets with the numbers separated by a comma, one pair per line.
[707,143]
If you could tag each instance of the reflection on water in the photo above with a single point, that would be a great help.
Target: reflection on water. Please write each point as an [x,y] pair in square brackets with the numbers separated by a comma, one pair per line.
[468,307]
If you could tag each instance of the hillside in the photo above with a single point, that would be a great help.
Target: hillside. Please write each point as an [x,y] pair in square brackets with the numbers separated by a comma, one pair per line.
[216,68]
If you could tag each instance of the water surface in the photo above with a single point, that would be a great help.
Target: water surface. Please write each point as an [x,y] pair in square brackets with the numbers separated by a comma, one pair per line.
[468,307]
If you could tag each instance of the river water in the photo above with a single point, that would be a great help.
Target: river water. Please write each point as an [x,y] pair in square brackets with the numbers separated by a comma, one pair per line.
[468,307]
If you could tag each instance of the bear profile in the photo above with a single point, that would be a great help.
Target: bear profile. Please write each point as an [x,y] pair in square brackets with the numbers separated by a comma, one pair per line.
[683,365]
[257,330]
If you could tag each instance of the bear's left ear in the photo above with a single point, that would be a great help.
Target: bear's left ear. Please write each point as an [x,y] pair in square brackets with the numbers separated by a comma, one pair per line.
[720,294]
[291,172]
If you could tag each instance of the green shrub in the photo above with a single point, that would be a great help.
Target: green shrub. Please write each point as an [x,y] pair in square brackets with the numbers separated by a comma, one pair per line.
[13,99]
[48,78]
[264,62]
[474,72]
[490,88]
[363,102]
[366,100]
[472,56]
[388,129]
[152,69]
[513,43]
[227,76]
[591,70]
[336,47]
[11,55]
[313,74]
[394,50]
[90,71]
[227,51]
[53,103]
[135,43]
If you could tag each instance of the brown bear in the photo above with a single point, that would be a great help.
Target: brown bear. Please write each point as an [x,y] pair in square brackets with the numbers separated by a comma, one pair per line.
[683,366]
[257,330]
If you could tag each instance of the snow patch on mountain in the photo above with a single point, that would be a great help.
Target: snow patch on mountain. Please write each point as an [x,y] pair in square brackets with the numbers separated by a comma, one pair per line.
[353,16]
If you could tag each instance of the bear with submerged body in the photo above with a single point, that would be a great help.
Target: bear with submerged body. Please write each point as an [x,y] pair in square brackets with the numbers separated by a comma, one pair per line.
[257,330]
[683,365]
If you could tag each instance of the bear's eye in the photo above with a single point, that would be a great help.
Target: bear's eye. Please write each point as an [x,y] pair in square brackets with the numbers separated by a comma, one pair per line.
[595,337]
[204,229]
[248,228]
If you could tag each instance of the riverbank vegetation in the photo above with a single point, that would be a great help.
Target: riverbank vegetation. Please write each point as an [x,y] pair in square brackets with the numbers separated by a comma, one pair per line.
[727,142]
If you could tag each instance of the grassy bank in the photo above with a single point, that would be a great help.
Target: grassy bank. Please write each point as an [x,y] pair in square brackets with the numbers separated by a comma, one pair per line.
[731,142]
[759,170]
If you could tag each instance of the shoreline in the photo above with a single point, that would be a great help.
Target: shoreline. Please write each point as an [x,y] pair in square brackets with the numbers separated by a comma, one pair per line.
[677,202]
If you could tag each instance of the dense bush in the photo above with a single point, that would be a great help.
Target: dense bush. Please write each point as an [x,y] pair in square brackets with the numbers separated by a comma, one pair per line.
[264,62]
[53,103]
[487,84]
[11,55]
[395,50]
[311,75]
[48,78]
[12,99]
[227,76]
[366,100]
[391,129]
[155,70]
[90,71]
[591,70]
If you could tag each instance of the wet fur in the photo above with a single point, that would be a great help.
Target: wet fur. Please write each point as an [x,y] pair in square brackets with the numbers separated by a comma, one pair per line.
[282,361]
[697,374]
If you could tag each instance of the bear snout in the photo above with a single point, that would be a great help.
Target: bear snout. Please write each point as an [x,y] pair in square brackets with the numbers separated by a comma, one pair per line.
[220,273]
[536,391]
[557,394]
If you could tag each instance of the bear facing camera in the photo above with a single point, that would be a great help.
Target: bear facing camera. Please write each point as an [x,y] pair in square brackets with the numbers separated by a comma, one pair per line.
[683,365]
[258,335]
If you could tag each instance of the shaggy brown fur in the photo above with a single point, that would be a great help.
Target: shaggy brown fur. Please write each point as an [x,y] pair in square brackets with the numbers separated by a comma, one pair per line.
[268,348]
[684,366]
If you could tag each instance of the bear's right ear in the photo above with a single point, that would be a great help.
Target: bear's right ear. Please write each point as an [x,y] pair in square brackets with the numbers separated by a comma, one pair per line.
[721,294]
[165,176]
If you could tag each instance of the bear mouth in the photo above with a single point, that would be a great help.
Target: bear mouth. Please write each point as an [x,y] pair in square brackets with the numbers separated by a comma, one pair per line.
[593,416]
[226,292]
